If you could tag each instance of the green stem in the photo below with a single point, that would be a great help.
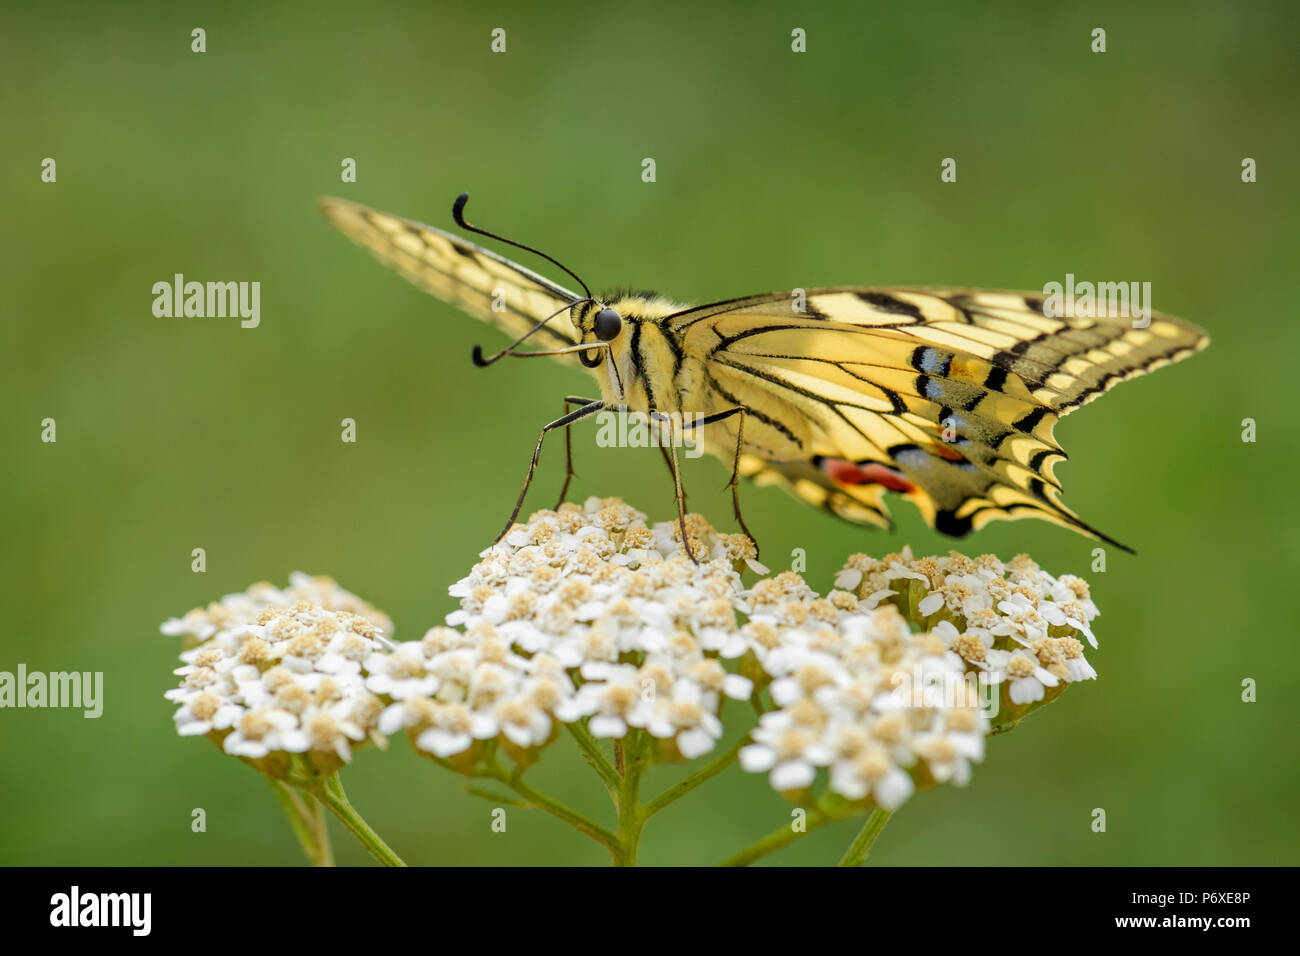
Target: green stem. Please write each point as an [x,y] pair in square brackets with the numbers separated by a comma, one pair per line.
[856,854]
[631,815]
[556,809]
[777,839]
[679,790]
[332,795]
[599,762]
[307,818]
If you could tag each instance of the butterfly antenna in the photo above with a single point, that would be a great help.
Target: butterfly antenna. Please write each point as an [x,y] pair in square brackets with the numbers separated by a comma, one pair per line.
[458,213]
[482,362]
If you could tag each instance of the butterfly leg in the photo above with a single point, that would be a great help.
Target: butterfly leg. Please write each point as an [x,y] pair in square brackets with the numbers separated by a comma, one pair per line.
[670,458]
[680,497]
[669,463]
[734,483]
[562,422]
[568,448]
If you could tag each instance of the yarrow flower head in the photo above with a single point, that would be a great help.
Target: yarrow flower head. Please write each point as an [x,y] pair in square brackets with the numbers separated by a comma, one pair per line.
[269,679]
[592,617]
[454,689]
[895,678]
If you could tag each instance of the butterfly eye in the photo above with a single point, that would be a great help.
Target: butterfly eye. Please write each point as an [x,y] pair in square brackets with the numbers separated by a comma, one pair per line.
[608,324]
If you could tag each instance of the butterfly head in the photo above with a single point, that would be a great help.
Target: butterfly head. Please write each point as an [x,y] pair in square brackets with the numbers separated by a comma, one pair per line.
[612,318]
[602,325]
[597,322]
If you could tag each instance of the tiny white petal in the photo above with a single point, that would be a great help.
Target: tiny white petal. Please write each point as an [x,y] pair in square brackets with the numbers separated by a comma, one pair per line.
[848,579]
[757,758]
[792,775]
[929,604]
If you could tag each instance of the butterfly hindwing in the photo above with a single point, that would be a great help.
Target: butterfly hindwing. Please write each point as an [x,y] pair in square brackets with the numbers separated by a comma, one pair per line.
[865,505]
[955,392]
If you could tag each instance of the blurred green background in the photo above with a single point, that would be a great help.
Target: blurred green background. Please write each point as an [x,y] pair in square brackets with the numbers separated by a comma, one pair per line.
[775,170]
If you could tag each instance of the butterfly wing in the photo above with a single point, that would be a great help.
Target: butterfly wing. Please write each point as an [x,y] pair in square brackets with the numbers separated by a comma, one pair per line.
[948,396]
[460,272]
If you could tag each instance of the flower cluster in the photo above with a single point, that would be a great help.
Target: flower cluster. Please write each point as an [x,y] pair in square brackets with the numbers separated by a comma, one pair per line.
[585,614]
[589,615]
[895,678]
[842,678]
[454,688]
[1012,621]
[270,680]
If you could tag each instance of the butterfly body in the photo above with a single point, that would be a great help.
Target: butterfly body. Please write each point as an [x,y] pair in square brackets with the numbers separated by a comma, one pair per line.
[948,397]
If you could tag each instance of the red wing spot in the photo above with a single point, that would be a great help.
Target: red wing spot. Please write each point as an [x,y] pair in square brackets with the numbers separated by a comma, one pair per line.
[951,454]
[845,472]
[888,477]
[849,473]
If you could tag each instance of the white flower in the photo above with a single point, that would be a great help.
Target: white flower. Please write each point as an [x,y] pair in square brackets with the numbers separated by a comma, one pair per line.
[635,627]
[1028,680]
[1023,614]
[789,750]
[259,732]
[289,680]
[401,673]
[872,776]
[858,691]
[453,729]
[588,614]
[1070,614]
[203,712]
[948,754]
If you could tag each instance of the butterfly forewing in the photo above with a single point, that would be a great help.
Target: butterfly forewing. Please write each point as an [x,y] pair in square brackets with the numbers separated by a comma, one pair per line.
[484,284]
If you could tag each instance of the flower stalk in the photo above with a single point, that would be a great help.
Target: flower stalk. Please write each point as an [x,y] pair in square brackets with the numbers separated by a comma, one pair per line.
[535,798]
[705,773]
[780,838]
[631,815]
[332,795]
[306,817]
[856,854]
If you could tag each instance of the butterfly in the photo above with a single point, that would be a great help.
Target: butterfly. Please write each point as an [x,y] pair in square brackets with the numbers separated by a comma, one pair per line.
[946,397]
